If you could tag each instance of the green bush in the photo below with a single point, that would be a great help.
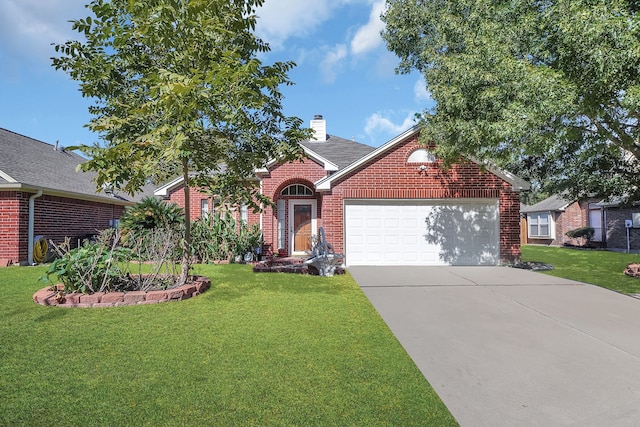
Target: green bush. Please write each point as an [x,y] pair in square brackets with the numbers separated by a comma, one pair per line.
[151,213]
[92,267]
[220,237]
[581,233]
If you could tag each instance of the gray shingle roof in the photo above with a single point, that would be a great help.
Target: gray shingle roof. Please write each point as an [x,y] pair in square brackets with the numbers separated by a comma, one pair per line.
[34,163]
[342,152]
[550,204]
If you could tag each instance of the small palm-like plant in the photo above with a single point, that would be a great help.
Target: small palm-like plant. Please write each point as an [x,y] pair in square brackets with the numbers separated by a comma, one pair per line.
[151,213]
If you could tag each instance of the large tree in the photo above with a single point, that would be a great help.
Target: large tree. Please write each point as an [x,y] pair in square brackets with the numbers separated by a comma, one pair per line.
[550,88]
[179,90]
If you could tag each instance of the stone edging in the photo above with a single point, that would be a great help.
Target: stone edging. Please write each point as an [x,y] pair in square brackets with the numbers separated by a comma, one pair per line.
[46,296]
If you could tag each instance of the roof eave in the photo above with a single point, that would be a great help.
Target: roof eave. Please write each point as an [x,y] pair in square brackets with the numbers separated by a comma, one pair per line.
[68,194]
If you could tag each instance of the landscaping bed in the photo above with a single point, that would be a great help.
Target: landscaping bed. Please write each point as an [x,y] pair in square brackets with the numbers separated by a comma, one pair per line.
[48,296]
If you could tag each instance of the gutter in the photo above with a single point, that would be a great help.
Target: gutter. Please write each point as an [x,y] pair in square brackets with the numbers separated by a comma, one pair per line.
[31,221]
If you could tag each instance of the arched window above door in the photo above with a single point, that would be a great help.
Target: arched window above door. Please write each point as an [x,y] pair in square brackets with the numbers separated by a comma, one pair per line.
[296,190]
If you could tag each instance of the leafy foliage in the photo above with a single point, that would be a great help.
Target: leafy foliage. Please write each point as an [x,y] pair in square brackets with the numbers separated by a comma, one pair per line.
[179,90]
[548,89]
[581,233]
[92,267]
[151,213]
[103,265]
[221,237]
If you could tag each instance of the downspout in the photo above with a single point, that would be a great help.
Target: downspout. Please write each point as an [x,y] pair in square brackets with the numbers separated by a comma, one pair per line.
[30,230]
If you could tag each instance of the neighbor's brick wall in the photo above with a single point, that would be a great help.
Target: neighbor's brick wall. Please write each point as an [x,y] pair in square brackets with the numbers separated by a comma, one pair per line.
[389,176]
[14,218]
[54,218]
[576,215]
[616,230]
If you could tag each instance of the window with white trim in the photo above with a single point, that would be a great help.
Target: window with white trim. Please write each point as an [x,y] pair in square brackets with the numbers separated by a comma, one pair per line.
[244,213]
[204,207]
[539,225]
[281,214]
[297,190]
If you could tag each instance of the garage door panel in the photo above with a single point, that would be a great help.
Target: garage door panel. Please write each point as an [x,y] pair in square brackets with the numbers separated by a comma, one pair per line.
[421,232]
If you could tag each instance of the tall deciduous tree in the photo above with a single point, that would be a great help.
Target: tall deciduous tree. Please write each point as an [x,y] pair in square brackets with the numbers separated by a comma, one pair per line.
[180,90]
[548,87]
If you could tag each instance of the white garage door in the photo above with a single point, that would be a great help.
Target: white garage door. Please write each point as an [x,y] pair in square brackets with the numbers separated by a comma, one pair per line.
[385,232]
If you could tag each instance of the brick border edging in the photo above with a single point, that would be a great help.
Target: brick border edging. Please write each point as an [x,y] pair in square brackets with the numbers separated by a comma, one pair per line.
[48,297]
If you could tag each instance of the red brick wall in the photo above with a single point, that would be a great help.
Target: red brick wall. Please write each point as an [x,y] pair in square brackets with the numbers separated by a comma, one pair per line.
[54,217]
[13,224]
[389,176]
[195,200]
[576,215]
[281,176]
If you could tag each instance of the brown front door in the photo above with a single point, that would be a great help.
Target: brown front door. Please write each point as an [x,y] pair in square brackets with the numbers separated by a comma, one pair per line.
[302,230]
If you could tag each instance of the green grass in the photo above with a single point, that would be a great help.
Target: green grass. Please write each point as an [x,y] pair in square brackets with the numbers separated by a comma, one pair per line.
[256,349]
[598,267]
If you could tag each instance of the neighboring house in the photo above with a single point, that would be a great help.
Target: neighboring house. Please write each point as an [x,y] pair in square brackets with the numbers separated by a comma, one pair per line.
[622,225]
[392,205]
[548,221]
[42,193]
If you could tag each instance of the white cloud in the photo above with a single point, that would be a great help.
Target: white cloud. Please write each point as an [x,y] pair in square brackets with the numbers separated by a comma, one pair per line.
[279,20]
[332,62]
[378,124]
[28,27]
[421,92]
[367,38]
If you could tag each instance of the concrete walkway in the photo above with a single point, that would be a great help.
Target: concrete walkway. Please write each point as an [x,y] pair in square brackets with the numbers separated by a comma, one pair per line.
[509,347]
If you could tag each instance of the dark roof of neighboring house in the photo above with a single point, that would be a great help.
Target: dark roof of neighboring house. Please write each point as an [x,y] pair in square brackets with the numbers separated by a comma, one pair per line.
[554,203]
[26,163]
[342,152]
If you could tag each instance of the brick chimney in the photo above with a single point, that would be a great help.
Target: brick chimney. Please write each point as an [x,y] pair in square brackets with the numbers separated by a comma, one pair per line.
[319,127]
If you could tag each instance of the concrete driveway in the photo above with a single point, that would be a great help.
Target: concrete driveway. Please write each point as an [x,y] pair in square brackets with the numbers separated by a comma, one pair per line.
[509,347]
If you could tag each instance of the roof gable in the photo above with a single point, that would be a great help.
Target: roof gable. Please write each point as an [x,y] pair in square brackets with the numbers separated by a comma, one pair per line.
[339,151]
[555,203]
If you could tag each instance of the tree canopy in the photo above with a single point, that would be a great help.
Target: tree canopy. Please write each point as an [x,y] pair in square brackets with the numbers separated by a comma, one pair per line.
[179,90]
[547,88]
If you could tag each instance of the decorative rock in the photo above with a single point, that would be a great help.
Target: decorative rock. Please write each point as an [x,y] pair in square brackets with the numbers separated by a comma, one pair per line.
[134,297]
[632,270]
[94,298]
[156,295]
[175,294]
[113,297]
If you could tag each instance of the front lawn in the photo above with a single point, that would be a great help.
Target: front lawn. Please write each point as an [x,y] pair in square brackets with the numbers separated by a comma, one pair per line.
[256,349]
[598,267]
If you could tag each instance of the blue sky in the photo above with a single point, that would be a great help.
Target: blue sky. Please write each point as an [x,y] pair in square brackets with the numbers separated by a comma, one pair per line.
[344,70]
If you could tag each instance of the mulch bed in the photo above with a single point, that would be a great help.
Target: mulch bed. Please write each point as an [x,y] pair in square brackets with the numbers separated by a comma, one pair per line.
[533,265]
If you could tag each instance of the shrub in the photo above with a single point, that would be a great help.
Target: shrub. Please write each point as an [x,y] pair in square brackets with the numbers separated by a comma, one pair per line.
[581,233]
[220,237]
[151,213]
[92,267]
[104,265]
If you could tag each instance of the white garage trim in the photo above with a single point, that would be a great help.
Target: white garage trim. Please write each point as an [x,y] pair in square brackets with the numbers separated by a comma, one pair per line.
[421,232]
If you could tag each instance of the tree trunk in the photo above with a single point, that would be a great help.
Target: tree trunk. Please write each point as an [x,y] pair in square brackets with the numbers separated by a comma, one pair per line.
[186,242]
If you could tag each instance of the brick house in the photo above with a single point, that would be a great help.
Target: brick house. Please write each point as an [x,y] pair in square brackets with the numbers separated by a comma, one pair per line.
[391,205]
[42,194]
[621,224]
[547,222]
